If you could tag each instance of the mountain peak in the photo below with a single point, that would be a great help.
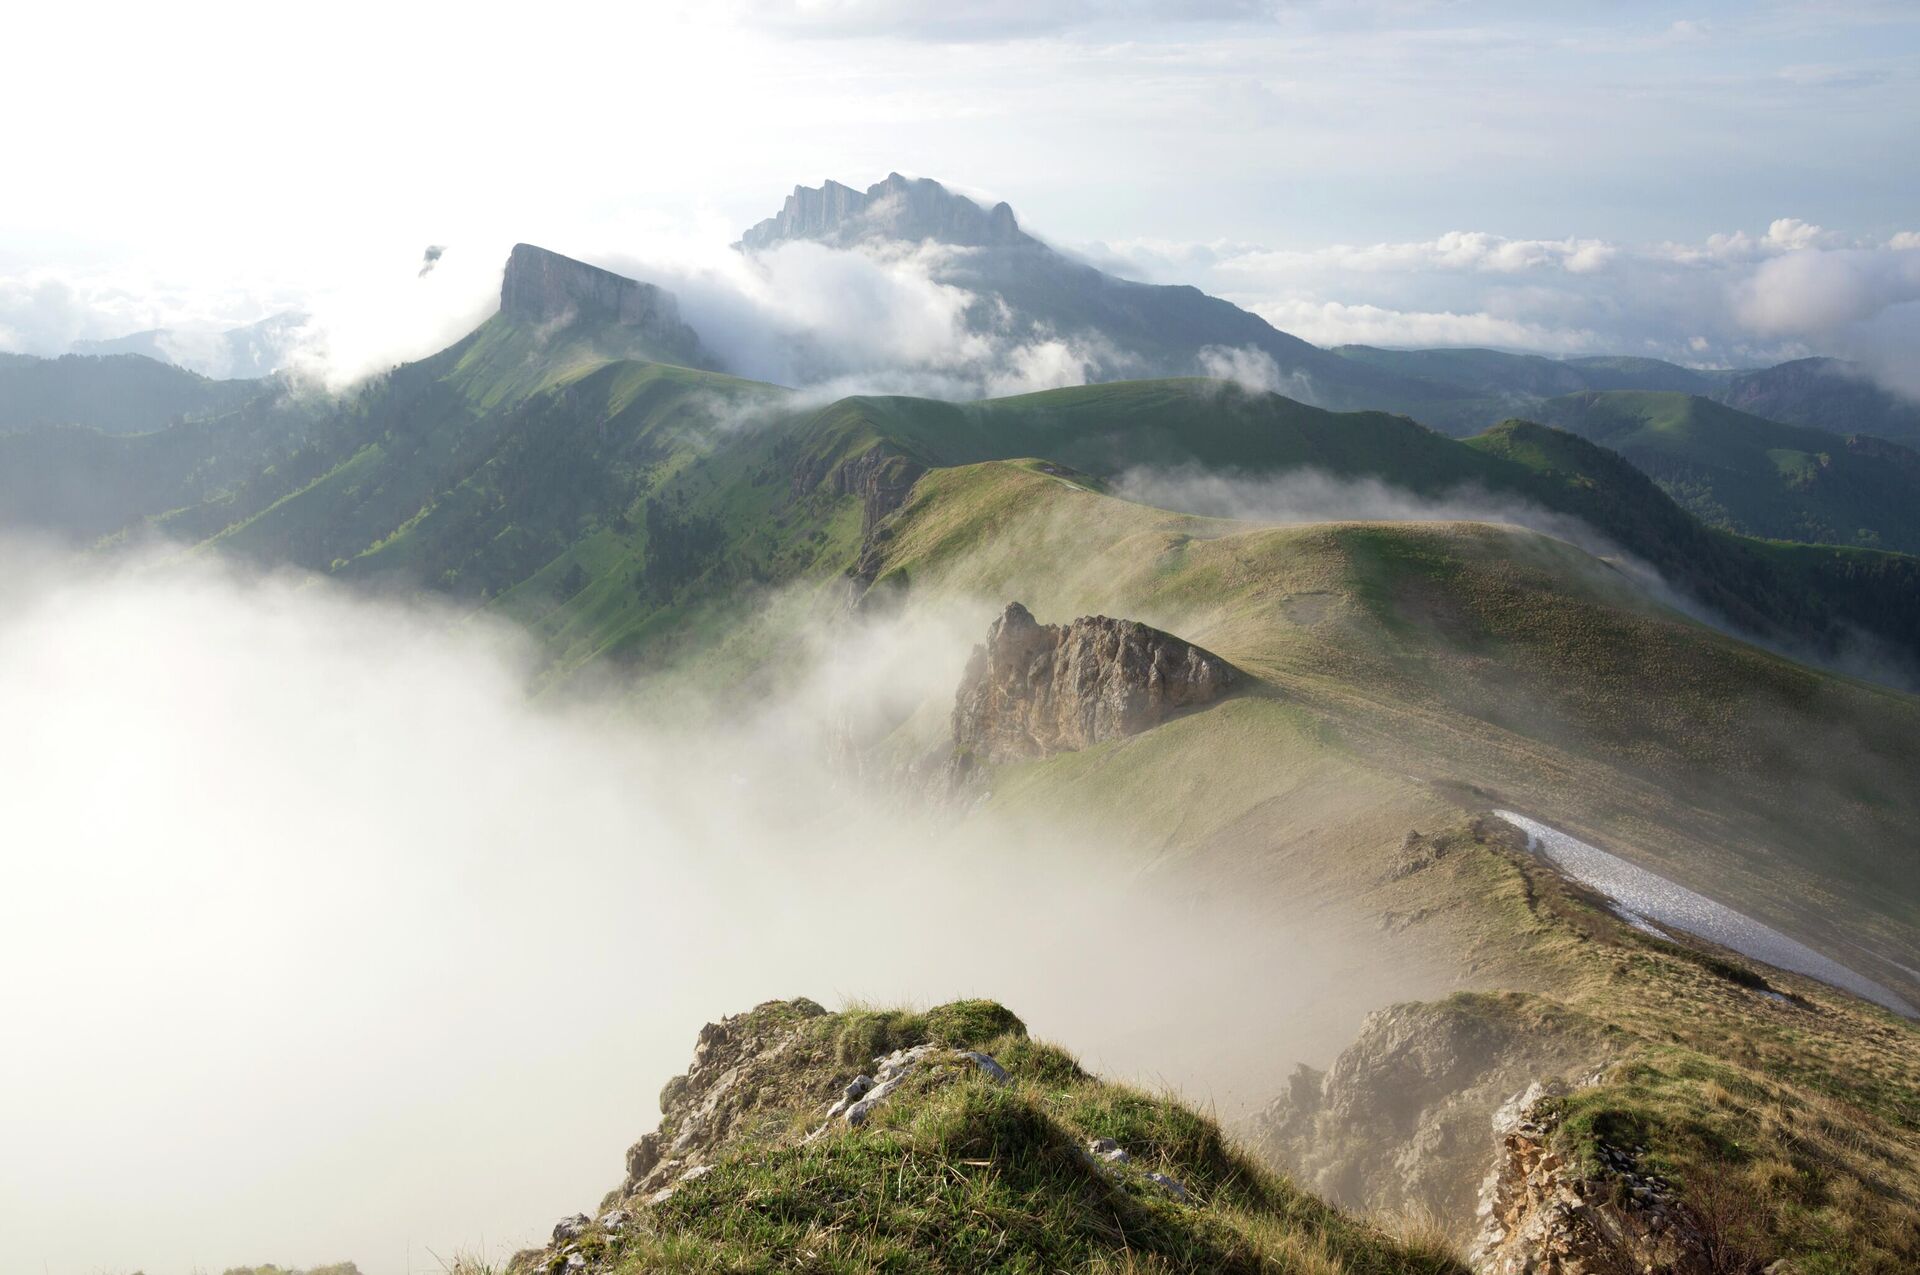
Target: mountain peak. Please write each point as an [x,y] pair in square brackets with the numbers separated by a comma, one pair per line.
[909,208]
[541,286]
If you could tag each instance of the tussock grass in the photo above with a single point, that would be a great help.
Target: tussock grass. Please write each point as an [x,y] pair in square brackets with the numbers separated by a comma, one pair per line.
[955,1173]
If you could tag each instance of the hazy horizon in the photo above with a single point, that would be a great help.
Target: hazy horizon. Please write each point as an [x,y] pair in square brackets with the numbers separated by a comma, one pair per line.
[1427,174]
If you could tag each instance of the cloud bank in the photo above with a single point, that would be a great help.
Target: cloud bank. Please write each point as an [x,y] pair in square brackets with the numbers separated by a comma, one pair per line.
[329,942]
[889,318]
[1732,300]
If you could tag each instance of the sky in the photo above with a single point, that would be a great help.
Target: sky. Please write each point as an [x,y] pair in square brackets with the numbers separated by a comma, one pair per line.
[1550,177]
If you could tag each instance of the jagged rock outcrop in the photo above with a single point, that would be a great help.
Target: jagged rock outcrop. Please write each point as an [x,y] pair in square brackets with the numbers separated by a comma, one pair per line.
[1401,1120]
[1035,689]
[543,287]
[1541,1215]
[699,1108]
[900,208]
[880,476]
[751,1073]
[883,479]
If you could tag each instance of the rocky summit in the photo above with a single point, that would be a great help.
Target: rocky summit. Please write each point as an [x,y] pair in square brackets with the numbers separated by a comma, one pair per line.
[540,286]
[1035,689]
[911,209]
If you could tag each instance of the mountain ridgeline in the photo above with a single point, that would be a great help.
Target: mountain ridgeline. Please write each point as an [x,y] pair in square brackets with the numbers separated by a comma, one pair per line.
[1754,476]
[576,463]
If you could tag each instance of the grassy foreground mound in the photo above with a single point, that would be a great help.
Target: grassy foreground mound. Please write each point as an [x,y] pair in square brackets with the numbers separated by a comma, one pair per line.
[994,1152]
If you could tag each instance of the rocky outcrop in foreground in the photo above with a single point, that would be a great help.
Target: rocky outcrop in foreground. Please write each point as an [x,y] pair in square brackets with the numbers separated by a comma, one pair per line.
[1400,1122]
[1036,689]
[943,1140]
[1541,1213]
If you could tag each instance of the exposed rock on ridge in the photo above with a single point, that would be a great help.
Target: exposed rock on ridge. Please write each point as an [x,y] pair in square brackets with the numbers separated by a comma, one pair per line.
[541,286]
[914,210]
[1541,1214]
[880,476]
[1034,689]
[1401,1120]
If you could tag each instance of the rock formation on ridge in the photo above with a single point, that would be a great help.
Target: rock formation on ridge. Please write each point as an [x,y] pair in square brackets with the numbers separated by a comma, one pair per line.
[1035,689]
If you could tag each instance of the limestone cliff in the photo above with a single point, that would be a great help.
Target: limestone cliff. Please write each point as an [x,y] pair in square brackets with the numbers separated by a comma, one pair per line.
[1401,1121]
[544,287]
[1035,689]
[1542,1214]
[910,209]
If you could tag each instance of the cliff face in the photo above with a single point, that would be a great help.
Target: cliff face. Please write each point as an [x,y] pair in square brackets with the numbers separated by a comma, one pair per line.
[1540,1213]
[1034,689]
[541,286]
[913,210]
[1401,1120]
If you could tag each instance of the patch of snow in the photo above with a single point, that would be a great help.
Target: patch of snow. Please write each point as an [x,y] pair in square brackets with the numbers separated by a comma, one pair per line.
[1644,898]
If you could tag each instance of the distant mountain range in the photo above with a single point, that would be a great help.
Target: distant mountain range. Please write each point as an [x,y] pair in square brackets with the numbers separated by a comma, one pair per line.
[247,352]
[113,393]
[1828,394]
[581,434]
[1030,291]
[1024,290]
[1755,476]
[481,468]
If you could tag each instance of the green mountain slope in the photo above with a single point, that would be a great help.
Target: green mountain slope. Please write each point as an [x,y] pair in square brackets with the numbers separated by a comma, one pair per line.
[1790,593]
[1414,677]
[1467,388]
[1408,678]
[1827,394]
[596,495]
[115,394]
[1466,654]
[571,463]
[1754,476]
[188,480]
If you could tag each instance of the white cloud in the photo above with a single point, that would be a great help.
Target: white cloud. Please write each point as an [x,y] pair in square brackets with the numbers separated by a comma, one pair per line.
[982,19]
[365,319]
[873,319]
[337,944]
[1458,250]
[881,319]
[1792,233]
[1248,368]
[1814,295]
[1737,298]
[1337,323]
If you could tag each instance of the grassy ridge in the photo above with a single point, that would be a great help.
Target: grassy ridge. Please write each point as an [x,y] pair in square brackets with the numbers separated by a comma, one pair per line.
[1754,476]
[1471,655]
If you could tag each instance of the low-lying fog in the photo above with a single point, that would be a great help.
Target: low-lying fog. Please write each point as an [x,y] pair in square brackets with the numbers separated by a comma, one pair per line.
[320,939]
